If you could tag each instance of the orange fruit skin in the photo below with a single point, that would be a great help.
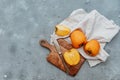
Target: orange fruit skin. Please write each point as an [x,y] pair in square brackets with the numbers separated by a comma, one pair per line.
[78,38]
[92,47]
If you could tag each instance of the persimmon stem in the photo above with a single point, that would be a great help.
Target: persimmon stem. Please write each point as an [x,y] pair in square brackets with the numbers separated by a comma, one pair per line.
[89,52]
[56,29]
[81,44]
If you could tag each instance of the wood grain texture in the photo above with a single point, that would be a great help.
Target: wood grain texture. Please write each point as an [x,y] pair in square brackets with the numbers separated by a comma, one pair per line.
[54,58]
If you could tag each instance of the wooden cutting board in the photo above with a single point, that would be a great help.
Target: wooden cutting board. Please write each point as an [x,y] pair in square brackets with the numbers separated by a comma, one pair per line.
[54,58]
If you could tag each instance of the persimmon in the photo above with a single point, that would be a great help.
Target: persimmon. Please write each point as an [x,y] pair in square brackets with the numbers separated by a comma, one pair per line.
[62,30]
[72,57]
[78,38]
[92,47]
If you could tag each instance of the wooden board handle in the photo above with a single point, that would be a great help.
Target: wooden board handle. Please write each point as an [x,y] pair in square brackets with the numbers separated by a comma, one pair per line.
[45,43]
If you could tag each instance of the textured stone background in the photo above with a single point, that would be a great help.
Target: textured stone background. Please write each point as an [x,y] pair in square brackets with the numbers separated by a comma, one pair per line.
[24,22]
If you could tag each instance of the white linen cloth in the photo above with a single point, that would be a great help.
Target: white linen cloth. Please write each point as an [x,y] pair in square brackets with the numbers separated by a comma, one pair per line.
[95,26]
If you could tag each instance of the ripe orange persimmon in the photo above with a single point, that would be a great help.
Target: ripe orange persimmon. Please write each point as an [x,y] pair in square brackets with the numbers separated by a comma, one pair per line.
[78,38]
[92,47]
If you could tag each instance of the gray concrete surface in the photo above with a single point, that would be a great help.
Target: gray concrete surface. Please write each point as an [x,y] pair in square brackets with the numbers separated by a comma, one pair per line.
[24,22]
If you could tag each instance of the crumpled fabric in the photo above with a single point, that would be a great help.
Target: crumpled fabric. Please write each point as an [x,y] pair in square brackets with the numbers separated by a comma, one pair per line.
[95,26]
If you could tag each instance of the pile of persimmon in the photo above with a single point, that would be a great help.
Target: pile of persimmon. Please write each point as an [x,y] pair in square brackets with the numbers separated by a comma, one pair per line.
[78,39]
